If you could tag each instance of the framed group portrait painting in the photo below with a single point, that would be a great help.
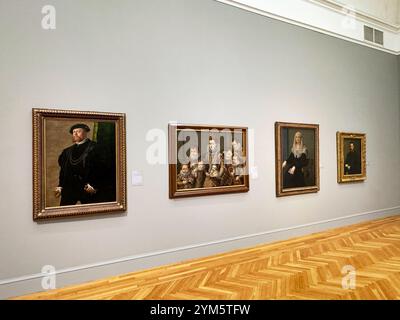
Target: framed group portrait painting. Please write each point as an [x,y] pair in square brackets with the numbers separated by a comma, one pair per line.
[79,163]
[296,158]
[207,160]
[351,157]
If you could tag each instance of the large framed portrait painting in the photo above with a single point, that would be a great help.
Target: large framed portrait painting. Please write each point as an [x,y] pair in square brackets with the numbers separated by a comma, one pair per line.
[351,157]
[207,160]
[296,158]
[79,163]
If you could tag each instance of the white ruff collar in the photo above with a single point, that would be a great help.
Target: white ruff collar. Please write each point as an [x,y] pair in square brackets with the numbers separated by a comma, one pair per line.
[82,142]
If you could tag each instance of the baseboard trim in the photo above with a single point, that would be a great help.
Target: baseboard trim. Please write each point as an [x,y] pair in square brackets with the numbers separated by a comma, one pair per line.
[387,211]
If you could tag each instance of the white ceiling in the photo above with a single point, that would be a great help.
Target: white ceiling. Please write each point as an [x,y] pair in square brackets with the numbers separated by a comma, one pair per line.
[344,19]
[385,10]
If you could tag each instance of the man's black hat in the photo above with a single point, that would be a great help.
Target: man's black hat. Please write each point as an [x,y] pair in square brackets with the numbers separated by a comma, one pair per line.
[79,125]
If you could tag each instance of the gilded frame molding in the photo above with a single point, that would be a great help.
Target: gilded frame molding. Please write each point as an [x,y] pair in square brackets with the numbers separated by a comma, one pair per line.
[40,211]
[349,178]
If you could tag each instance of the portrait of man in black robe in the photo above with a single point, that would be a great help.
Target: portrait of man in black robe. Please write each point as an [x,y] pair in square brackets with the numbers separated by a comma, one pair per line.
[352,164]
[87,170]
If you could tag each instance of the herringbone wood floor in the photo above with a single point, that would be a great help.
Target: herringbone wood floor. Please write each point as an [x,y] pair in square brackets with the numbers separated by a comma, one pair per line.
[307,267]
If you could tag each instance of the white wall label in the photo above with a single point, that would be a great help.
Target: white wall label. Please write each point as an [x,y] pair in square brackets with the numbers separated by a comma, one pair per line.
[137,178]
[254,172]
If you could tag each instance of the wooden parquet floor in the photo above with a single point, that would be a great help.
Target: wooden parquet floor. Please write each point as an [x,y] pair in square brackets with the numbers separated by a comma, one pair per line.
[308,267]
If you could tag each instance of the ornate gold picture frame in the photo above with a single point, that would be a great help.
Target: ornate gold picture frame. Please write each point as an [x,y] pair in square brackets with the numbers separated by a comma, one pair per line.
[351,157]
[79,163]
[296,158]
[207,160]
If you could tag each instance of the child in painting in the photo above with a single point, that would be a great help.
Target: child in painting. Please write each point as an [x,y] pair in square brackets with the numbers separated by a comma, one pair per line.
[238,171]
[193,156]
[226,169]
[228,157]
[185,178]
[213,177]
[199,174]
[237,148]
[213,154]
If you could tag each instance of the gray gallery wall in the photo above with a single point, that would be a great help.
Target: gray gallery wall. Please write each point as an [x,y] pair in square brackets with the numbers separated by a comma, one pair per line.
[191,61]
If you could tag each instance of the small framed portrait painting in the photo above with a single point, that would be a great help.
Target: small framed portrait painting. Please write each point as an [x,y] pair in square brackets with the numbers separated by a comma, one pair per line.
[296,158]
[79,163]
[351,157]
[207,160]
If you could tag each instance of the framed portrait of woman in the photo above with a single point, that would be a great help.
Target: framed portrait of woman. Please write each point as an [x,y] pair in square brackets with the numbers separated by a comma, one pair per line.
[296,158]
[207,160]
[351,157]
[79,163]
